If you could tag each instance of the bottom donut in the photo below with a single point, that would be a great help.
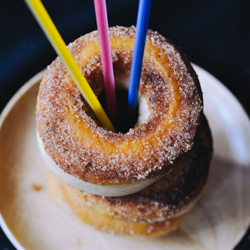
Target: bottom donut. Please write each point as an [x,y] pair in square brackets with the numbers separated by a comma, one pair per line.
[153,211]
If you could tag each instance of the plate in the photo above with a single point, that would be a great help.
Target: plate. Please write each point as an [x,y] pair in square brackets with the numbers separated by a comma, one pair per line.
[32,220]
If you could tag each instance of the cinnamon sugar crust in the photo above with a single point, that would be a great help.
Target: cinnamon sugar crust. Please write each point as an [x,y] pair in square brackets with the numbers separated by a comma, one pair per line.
[78,143]
[170,197]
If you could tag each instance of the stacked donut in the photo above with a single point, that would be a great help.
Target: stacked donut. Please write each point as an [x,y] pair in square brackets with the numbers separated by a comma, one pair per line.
[146,180]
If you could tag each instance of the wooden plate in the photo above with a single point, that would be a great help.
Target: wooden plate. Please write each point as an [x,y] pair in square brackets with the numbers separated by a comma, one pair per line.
[32,220]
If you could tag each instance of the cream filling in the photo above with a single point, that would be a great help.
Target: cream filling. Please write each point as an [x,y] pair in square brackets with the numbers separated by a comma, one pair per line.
[103,190]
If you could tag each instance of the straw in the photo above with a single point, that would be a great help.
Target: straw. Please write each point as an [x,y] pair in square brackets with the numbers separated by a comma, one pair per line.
[108,73]
[57,42]
[140,37]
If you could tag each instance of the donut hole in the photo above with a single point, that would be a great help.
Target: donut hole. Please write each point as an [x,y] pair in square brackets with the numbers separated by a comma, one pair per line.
[122,66]
[125,120]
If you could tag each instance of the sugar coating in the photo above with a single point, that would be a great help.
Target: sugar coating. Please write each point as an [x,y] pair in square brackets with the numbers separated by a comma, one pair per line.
[170,197]
[170,87]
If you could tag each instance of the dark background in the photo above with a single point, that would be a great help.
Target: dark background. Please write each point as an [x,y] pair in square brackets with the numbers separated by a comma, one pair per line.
[214,34]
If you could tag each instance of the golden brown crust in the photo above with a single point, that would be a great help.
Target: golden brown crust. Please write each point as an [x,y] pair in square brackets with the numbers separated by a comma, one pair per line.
[157,209]
[80,146]
[109,224]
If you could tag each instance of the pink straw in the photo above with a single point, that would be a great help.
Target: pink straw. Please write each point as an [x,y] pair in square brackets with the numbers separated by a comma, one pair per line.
[108,73]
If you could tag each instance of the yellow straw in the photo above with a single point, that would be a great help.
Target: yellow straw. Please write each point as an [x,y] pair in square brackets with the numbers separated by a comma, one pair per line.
[57,42]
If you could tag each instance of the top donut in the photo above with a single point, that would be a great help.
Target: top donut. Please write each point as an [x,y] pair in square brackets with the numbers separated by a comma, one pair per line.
[77,142]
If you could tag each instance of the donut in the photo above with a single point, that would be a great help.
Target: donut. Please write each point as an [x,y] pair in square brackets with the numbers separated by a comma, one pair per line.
[153,211]
[83,153]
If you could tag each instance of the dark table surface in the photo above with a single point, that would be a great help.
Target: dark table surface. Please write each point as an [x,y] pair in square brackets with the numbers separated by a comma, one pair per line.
[214,34]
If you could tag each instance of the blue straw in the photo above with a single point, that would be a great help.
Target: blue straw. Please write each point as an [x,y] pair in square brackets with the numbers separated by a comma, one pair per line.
[140,39]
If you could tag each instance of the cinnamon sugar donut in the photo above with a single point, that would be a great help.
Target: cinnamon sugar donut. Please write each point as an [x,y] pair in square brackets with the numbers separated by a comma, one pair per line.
[85,154]
[155,210]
